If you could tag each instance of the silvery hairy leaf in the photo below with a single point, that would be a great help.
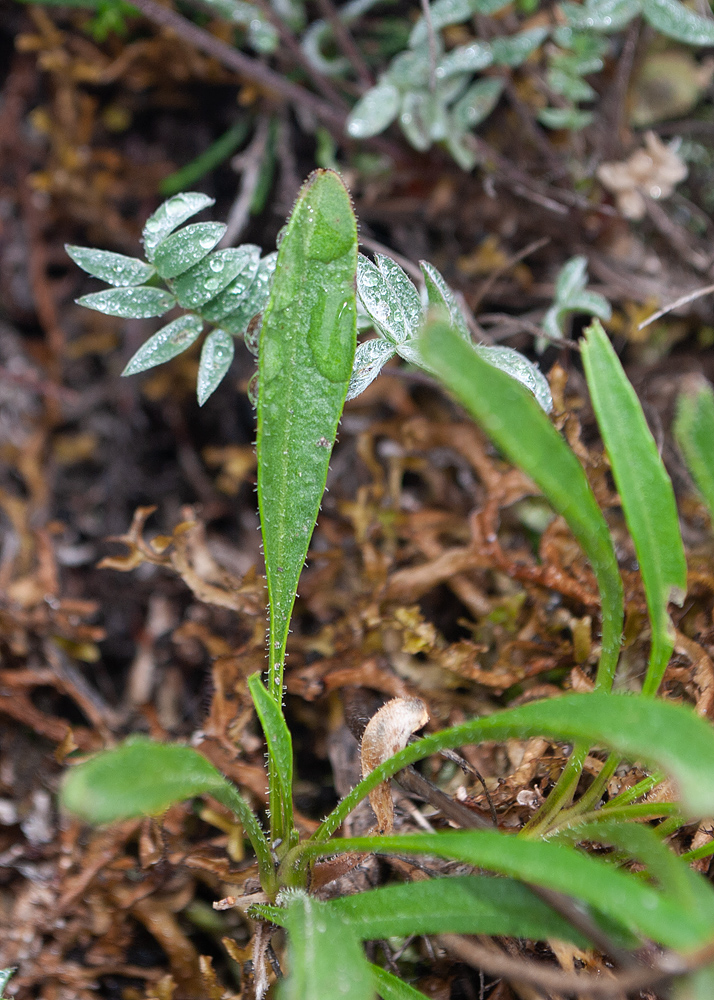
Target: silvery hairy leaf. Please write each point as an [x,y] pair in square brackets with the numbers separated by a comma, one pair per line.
[205,280]
[180,251]
[114,268]
[374,111]
[216,356]
[166,343]
[131,303]
[370,358]
[170,216]
[513,363]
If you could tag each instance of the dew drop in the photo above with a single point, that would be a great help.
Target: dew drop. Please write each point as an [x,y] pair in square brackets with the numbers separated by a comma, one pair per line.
[206,242]
[217,264]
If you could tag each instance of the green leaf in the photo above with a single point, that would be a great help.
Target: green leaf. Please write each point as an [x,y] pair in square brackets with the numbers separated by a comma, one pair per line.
[170,215]
[246,304]
[440,296]
[307,347]
[389,987]
[179,252]
[370,358]
[601,15]
[570,85]
[676,21]
[417,118]
[656,733]
[694,431]
[383,296]
[516,423]
[374,111]
[675,877]
[697,986]
[210,158]
[208,278]
[572,278]
[645,491]
[618,895]
[467,904]
[410,70]
[477,103]
[170,340]
[516,365]
[131,303]
[280,752]
[325,958]
[5,977]
[143,778]
[216,357]
[114,268]
[514,50]
[465,59]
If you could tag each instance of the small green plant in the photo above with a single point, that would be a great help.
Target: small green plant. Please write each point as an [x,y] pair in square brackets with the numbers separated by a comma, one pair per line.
[306,366]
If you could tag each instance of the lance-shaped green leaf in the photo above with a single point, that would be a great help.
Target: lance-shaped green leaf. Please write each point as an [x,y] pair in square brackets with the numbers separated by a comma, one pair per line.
[645,491]
[676,21]
[389,987]
[179,252]
[131,303]
[468,904]
[694,431]
[170,215]
[143,778]
[166,343]
[656,733]
[477,103]
[216,357]
[465,59]
[601,15]
[374,111]
[114,268]
[620,896]
[513,419]
[280,752]
[307,346]
[231,297]
[325,957]
[209,277]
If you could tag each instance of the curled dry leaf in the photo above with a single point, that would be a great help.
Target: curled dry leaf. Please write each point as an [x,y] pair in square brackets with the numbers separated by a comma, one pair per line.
[387,732]
[649,173]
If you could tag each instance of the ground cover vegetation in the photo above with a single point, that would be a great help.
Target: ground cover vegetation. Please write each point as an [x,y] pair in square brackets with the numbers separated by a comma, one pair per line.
[520,564]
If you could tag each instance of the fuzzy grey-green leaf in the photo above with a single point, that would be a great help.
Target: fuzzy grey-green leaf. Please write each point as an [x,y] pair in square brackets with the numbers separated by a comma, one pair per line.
[114,268]
[216,357]
[207,279]
[677,21]
[179,252]
[250,303]
[131,303]
[374,111]
[228,300]
[171,214]
[166,343]
[383,302]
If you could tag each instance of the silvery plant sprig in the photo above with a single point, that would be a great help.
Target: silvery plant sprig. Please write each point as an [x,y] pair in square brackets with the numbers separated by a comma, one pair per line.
[223,288]
[397,312]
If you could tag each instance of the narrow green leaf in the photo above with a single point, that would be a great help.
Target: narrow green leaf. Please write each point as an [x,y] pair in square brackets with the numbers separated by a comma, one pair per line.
[675,877]
[601,15]
[170,215]
[235,293]
[374,111]
[440,296]
[618,895]
[694,431]
[640,729]
[166,343]
[210,158]
[389,987]
[280,752]
[208,278]
[325,958]
[645,491]
[179,252]
[307,348]
[518,366]
[516,423]
[114,268]
[572,118]
[216,357]
[143,778]
[572,278]
[676,21]
[131,303]
[247,305]
[468,904]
